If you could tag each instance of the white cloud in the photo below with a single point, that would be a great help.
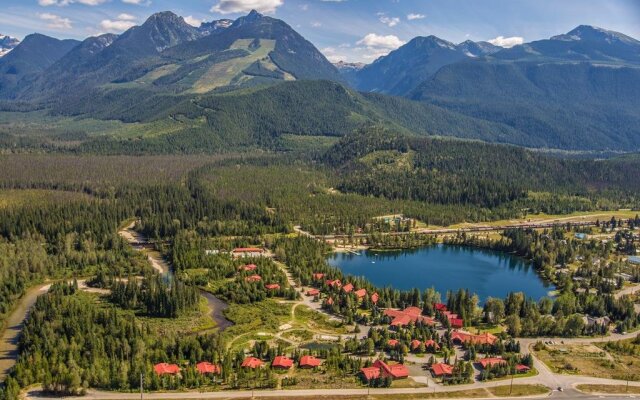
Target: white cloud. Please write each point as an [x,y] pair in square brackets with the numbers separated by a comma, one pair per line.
[316,24]
[506,41]
[56,21]
[127,17]
[380,42]
[412,16]
[117,25]
[193,21]
[62,3]
[241,6]
[136,2]
[389,21]
[304,7]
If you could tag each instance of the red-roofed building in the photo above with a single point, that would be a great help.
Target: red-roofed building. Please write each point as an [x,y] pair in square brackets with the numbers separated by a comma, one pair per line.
[460,337]
[272,286]
[401,320]
[439,370]
[282,362]
[313,292]
[208,368]
[252,362]
[253,278]
[440,307]
[413,311]
[348,288]
[406,316]
[329,301]
[415,344]
[360,293]
[393,342]
[396,371]
[456,323]
[431,344]
[318,275]
[370,373]
[334,283]
[309,362]
[521,368]
[250,267]
[491,362]
[166,369]
[374,298]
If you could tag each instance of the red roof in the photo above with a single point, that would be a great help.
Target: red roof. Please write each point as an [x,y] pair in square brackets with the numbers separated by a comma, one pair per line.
[347,288]
[393,342]
[251,362]
[409,314]
[431,343]
[253,278]
[413,311]
[361,293]
[440,369]
[396,371]
[491,361]
[329,301]
[250,267]
[464,337]
[375,297]
[272,286]
[522,368]
[313,292]
[248,250]
[318,275]
[456,322]
[166,369]
[401,320]
[415,344]
[309,362]
[334,282]
[282,362]
[370,372]
[440,307]
[208,368]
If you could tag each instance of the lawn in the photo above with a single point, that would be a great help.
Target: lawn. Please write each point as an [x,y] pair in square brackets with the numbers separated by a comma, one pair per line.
[611,389]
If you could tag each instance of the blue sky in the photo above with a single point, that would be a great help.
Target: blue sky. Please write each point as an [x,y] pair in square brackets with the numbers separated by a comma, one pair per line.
[352,30]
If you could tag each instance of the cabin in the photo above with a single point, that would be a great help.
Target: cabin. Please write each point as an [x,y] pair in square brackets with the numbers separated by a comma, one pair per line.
[166,369]
[415,344]
[244,252]
[254,278]
[492,362]
[313,292]
[334,282]
[461,337]
[441,370]
[370,373]
[522,369]
[375,297]
[309,362]
[272,286]
[249,267]
[431,345]
[329,301]
[360,293]
[393,343]
[406,316]
[205,368]
[282,362]
[440,307]
[348,288]
[456,323]
[317,276]
[395,371]
[252,363]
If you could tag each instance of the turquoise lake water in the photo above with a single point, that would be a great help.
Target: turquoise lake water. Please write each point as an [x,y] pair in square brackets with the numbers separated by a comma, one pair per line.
[486,273]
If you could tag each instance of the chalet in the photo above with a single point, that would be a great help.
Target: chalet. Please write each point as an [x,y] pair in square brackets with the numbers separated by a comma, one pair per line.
[272,286]
[166,369]
[360,293]
[492,362]
[205,368]
[460,337]
[393,343]
[334,283]
[375,297]
[348,288]
[370,373]
[415,344]
[395,371]
[329,301]
[252,363]
[313,292]
[401,320]
[248,252]
[440,307]
[282,362]
[456,323]
[253,278]
[317,276]
[249,267]
[522,369]
[441,370]
[406,316]
[309,362]
[432,345]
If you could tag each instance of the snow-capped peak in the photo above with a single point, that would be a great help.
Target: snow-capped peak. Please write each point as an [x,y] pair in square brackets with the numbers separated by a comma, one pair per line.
[7,43]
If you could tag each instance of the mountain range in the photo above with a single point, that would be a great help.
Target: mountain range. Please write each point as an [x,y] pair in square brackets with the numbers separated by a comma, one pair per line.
[245,79]
[7,43]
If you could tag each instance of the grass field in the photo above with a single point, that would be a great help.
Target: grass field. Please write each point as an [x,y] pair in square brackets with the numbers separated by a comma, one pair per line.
[589,360]
[609,389]
[37,197]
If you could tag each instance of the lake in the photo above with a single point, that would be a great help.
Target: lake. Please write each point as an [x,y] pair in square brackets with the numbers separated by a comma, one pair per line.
[484,272]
